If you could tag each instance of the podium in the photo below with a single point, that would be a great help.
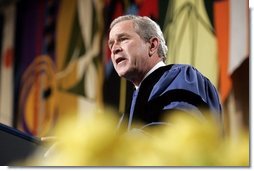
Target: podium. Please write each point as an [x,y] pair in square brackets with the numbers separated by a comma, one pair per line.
[16,145]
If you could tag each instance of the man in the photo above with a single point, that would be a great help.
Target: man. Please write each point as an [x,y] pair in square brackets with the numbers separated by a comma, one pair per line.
[138,52]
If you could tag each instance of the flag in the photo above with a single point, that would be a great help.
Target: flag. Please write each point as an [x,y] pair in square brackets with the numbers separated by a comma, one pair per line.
[221,24]
[7,65]
[231,29]
[239,33]
[190,36]
[35,73]
[77,75]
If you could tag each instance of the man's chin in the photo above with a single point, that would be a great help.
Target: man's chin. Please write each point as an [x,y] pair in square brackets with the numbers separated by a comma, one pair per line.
[121,73]
[120,70]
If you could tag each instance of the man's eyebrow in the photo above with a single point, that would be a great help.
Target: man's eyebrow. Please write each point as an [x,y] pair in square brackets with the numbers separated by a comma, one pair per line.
[122,34]
[110,41]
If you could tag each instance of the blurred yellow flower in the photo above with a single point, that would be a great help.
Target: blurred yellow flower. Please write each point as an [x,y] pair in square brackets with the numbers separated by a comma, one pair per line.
[186,141]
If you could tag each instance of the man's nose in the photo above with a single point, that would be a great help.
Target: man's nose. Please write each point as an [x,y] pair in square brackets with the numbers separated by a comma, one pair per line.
[116,49]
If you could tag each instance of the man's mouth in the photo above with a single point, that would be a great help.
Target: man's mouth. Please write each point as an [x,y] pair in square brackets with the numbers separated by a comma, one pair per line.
[120,59]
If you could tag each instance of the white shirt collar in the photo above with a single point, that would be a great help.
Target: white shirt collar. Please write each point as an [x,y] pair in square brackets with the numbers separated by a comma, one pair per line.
[158,65]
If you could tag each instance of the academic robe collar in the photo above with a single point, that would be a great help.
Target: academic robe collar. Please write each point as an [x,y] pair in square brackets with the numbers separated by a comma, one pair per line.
[158,65]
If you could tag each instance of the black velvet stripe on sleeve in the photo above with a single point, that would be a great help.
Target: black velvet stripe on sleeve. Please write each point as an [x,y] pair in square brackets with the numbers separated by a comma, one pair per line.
[154,108]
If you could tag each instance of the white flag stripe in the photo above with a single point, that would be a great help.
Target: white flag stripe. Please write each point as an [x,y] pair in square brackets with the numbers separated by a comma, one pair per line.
[85,15]
[6,91]
[238,33]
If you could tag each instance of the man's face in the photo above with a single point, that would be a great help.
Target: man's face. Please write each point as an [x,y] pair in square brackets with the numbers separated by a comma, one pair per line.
[129,53]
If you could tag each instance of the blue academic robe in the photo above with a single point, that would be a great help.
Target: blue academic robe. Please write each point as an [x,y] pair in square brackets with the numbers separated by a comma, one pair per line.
[171,88]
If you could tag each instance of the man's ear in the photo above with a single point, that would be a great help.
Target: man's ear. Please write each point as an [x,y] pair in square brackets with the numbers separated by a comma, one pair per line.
[154,44]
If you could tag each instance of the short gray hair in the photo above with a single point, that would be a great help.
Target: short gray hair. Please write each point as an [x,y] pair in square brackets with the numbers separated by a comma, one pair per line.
[146,29]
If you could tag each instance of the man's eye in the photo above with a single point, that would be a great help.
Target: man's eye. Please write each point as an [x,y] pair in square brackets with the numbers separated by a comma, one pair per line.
[110,45]
[123,38]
